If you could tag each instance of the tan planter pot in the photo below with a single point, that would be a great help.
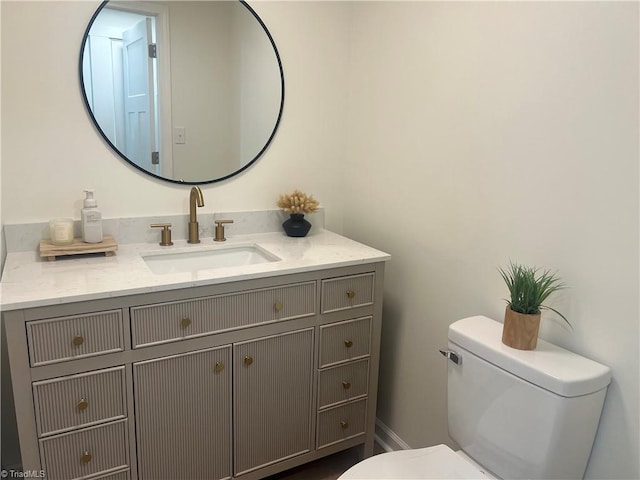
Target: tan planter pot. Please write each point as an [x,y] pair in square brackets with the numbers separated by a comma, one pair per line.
[520,330]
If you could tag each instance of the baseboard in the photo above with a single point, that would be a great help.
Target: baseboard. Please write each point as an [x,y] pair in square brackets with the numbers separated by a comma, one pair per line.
[388,439]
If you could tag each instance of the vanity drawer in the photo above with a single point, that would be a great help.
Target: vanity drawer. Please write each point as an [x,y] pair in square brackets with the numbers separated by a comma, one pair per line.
[79,400]
[347,292]
[341,423]
[69,338]
[86,452]
[343,341]
[122,475]
[343,383]
[167,322]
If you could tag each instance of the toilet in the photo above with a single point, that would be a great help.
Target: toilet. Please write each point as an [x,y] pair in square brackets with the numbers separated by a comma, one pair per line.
[515,414]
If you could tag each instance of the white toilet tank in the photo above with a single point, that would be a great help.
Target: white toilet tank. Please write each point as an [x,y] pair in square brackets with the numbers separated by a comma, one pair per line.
[522,414]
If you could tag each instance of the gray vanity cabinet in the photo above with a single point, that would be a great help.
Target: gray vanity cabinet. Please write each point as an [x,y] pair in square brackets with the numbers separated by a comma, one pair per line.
[241,380]
[273,387]
[345,349]
[183,412]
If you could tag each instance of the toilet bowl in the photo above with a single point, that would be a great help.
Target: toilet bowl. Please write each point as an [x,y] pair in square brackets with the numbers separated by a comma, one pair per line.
[515,413]
[439,461]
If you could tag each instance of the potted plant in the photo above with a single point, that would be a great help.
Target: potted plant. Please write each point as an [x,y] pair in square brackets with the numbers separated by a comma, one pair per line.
[297,204]
[528,287]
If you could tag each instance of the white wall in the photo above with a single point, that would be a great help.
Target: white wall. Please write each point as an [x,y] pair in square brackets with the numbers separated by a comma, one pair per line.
[197,105]
[2,243]
[446,106]
[258,77]
[483,132]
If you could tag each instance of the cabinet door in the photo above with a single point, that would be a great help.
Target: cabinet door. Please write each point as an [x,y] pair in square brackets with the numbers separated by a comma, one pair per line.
[183,415]
[272,382]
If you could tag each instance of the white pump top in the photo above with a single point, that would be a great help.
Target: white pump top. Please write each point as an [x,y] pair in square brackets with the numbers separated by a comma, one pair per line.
[89,201]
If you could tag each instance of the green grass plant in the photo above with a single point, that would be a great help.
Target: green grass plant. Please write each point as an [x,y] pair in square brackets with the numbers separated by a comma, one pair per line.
[529,287]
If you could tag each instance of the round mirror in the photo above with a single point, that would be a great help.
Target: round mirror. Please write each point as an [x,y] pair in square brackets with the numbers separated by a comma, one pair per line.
[187,91]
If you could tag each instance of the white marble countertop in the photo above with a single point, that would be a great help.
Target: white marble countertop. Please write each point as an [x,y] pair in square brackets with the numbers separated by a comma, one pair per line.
[29,281]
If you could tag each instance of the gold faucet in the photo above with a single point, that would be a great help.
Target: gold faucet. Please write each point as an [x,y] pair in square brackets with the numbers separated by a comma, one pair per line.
[195,197]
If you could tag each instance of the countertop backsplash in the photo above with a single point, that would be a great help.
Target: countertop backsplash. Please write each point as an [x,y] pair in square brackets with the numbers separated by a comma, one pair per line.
[26,237]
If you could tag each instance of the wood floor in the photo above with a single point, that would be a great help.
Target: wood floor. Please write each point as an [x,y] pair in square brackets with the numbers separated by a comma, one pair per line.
[328,468]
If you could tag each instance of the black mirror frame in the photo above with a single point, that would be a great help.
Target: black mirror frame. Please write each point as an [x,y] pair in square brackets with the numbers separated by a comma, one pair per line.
[180,182]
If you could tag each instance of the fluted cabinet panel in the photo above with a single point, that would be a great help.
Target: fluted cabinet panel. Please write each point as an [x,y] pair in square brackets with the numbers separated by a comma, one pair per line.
[79,400]
[183,416]
[347,292]
[85,452]
[70,338]
[166,322]
[273,385]
[343,383]
[345,341]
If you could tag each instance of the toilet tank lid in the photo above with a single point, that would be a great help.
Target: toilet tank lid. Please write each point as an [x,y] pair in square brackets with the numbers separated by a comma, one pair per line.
[551,367]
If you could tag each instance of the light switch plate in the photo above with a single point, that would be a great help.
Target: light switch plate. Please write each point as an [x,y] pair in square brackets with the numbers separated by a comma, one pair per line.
[179,135]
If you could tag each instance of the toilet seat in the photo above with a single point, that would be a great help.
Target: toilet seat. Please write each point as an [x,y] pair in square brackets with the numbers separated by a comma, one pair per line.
[438,462]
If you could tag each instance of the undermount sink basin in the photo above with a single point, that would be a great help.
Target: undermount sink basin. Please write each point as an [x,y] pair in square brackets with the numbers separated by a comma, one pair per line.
[191,261]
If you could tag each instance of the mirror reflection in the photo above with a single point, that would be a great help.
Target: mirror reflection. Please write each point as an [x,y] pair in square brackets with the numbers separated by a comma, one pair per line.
[187,91]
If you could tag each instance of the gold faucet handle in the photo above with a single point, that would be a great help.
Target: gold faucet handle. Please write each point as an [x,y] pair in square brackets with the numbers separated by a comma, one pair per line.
[165,240]
[220,230]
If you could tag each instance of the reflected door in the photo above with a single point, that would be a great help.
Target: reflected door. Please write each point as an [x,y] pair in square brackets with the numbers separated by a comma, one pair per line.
[140,135]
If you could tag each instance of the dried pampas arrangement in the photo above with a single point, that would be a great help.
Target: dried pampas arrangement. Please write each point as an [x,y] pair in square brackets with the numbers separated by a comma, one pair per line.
[298,202]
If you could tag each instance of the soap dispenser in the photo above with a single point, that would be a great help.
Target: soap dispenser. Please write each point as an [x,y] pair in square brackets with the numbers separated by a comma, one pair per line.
[91,219]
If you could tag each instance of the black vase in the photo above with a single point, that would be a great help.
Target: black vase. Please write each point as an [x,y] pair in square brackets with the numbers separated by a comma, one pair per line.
[296,225]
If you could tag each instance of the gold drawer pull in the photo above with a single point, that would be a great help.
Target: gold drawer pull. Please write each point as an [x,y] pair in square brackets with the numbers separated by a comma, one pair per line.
[78,340]
[185,322]
[346,385]
[83,404]
[86,457]
[219,367]
[278,306]
[348,343]
[248,360]
[344,424]
[350,294]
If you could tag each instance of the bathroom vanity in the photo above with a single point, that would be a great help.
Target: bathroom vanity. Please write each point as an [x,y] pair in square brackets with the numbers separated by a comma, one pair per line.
[238,371]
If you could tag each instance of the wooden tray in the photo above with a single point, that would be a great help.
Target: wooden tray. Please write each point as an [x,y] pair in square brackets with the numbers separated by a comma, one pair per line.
[108,246]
